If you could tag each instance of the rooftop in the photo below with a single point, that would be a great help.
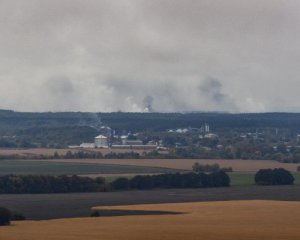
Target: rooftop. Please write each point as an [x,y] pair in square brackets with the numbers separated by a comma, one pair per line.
[101,137]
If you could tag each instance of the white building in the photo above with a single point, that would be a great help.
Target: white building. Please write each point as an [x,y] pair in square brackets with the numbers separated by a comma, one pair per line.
[124,139]
[211,136]
[205,128]
[101,141]
[87,145]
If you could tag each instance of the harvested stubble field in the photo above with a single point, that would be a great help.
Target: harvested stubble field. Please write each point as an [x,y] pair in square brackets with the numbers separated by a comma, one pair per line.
[206,220]
[186,164]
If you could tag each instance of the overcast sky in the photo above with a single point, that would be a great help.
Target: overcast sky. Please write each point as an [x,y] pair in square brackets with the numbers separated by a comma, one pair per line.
[175,55]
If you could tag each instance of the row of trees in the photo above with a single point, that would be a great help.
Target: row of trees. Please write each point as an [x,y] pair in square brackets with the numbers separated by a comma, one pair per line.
[178,180]
[76,155]
[65,184]
[96,155]
[50,184]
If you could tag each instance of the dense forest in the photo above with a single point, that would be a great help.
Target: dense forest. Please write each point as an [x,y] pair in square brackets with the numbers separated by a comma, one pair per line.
[119,121]
[24,129]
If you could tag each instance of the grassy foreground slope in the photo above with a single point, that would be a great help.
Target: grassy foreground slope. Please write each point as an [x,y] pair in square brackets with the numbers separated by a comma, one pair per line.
[207,220]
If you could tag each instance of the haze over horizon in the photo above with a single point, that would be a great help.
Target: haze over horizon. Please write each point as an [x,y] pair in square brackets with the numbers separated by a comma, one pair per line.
[159,55]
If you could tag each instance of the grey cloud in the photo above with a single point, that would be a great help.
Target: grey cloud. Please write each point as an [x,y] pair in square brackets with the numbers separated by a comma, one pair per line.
[60,93]
[60,86]
[212,89]
[110,55]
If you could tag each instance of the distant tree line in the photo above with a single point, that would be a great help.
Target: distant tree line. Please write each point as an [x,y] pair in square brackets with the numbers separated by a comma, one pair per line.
[50,184]
[76,155]
[10,120]
[178,180]
[174,153]
[277,176]
[15,184]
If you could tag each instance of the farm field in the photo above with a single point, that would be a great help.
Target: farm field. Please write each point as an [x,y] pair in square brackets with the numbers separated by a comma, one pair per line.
[52,206]
[186,164]
[107,168]
[183,164]
[69,168]
[200,220]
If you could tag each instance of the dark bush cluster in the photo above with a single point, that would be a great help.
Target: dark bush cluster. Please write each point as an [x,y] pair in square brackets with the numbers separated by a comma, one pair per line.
[95,213]
[277,176]
[5,216]
[50,184]
[178,180]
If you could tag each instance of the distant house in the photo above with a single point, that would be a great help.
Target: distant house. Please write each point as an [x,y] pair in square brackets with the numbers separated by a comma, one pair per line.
[101,141]
[123,139]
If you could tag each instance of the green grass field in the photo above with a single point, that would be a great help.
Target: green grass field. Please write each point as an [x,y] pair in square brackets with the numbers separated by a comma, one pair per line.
[55,168]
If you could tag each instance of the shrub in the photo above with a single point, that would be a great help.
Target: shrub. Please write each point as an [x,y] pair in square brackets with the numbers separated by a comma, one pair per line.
[95,214]
[16,216]
[277,176]
[5,216]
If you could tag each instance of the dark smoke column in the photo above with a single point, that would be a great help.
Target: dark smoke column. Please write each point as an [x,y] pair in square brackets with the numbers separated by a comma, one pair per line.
[147,104]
